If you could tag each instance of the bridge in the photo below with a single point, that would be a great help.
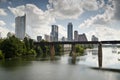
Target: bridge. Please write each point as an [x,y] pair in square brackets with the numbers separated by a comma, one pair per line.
[73,43]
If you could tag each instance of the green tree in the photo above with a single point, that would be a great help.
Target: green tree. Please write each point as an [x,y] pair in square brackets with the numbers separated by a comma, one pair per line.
[31,52]
[1,55]
[45,49]
[39,51]
[58,49]
[12,47]
[27,44]
[79,50]
[31,43]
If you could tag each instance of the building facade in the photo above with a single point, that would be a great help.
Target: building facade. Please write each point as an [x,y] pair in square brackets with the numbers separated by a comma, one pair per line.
[82,37]
[39,38]
[20,27]
[94,38]
[54,33]
[70,32]
[47,38]
[75,35]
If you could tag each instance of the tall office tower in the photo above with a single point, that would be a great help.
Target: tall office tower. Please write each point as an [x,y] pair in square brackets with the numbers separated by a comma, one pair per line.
[82,37]
[39,38]
[54,33]
[20,26]
[94,38]
[47,37]
[75,35]
[70,32]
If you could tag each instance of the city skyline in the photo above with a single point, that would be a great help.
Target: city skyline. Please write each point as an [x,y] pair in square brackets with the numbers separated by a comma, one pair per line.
[92,17]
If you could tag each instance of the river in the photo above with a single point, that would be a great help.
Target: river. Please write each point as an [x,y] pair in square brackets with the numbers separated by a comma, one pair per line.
[62,69]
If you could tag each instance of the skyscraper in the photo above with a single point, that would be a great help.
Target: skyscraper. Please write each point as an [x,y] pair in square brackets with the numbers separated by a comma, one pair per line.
[47,37]
[70,32]
[94,38]
[75,35]
[54,33]
[39,38]
[20,26]
[82,37]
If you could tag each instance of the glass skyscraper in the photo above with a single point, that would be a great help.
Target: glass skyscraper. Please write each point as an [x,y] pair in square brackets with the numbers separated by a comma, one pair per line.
[20,26]
[54,33]
[70,32]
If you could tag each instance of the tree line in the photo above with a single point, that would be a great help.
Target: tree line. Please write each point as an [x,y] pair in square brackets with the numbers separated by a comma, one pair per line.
[12,47]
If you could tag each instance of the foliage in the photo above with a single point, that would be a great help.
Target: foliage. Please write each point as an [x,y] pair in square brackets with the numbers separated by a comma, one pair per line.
[31,52]
[31,43]
[79,50]
[1,55]
[26,41]
[12,47]
[38,50]
[45,50]
[58,49]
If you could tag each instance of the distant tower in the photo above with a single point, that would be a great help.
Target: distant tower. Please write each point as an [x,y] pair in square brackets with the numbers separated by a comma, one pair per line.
[47,37]
[70,32]
[20,26]
[94,38]
[82,37]
[54,33]
[75,35]
[39,38]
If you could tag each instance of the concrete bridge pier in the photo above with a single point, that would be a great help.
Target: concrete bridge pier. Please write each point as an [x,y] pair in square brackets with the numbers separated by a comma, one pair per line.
[52,51]
[100,55]
[73,54]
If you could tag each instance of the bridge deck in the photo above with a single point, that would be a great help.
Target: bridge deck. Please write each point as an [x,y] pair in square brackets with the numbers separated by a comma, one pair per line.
[78,42]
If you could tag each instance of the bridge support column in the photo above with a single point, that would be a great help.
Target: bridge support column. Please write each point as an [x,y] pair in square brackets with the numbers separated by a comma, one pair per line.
[52,51]
[73,54]
[100,55]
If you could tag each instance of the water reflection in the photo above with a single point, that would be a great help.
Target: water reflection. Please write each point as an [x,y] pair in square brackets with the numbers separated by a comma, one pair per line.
[14,64]
[61,69]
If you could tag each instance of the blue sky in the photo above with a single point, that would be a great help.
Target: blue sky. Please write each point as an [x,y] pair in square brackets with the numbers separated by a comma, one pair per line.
[92,17]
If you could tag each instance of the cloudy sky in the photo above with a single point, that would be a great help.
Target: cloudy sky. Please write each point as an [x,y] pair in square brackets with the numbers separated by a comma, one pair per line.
[92,17]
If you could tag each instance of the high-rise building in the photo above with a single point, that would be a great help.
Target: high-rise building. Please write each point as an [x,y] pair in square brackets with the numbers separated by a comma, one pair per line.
[54,33]
[75,35]
[82,37]
[63,38]
[70,32]
[47,37]
[39,38]
[94,38]
[20,26]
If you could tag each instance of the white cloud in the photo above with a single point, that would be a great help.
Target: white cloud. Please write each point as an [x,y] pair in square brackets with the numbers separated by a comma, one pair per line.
[3,30]
[90,5]
[13,25]
[18,11]
[99,18]
[2,23]
[71,9]
[104,33]
[2,12]
[38,21]
[62,31]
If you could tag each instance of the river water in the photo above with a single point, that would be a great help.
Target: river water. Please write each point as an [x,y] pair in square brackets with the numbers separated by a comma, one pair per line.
[62,69]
